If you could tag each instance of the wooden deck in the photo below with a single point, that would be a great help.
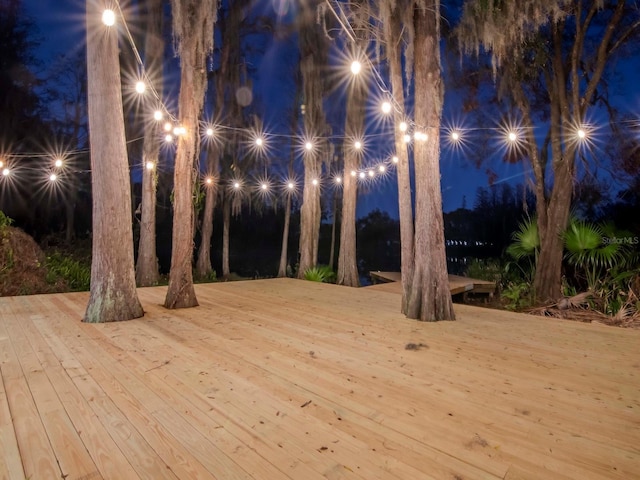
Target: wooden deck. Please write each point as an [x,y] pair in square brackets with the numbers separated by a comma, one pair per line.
[457,284]
[287,379]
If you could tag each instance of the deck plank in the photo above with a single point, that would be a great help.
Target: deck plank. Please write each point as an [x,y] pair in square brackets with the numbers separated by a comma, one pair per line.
[287,379]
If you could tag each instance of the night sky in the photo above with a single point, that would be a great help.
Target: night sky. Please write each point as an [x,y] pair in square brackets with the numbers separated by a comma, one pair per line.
[61,25]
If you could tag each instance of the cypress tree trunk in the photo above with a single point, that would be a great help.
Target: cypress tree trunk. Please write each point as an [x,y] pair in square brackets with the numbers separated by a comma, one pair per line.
[282,269]
[147,273]
[430,297]
[113,294]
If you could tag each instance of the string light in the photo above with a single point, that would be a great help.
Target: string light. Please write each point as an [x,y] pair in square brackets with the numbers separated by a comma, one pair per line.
[314,182]
[353,173]
[394,159]
[385,107]
[581,134]
[382,169]
[150,165]
[141,87]
[291,185]
[338,180]
[168,138]
[403,126]
[208,181]
[455,136]
[6,172]
[308,146]
[356,67]
[512,136]
[357,145]
[53,177]
[168,127]
[407,138]
[363,175]
[209,132]
[109,18]
[157,115]
[58,163]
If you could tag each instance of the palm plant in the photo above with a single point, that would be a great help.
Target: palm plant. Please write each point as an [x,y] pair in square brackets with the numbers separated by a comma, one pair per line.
[526,245]
[587,250]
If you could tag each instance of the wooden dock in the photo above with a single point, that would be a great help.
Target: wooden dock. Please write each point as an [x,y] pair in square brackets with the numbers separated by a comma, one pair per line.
[288,379]
[457,284]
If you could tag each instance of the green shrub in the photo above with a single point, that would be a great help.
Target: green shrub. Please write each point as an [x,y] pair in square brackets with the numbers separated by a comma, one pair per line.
[320,273]
[76,275]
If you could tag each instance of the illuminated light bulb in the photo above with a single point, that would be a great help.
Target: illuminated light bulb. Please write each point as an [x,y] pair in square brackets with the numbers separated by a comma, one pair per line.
[338,180]
[209,132]
[264,186]
[53,177]
[420,136]
[581,134]
[168,138]
[314,182]
[308,146]
[403,126]
[356,67]
[382,169]
[407,138]
[290,185]
[179,131]
[259,141]
[371,173]
[512,137]
[386,107]
[150,165]
[58,163]
[109,18]
[395,159]
[157,115]
[168,127]
[209,181]
[357,145]
[6,172]
[455,136]
[236,185]
[353,173]
[363,175]
[140,87]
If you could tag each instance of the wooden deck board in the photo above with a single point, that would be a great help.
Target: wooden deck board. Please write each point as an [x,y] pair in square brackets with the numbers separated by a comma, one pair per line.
[457,284]
[286,379]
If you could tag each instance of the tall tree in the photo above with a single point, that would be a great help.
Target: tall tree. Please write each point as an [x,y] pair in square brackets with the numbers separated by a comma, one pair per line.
[193,22]
[354,128]
[429,297]
[551,60]
[397,35]
[113,291]
[313,56]
[147,272]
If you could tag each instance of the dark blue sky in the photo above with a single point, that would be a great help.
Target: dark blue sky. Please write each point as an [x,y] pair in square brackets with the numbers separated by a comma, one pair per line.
[61,24]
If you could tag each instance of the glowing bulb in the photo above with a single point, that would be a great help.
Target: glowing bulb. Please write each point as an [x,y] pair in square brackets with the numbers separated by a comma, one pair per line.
[581,134]
[455,136]
[168,138]
[308,146]
[150,165]
[259,141]
[407,138]
[209,181]
[381,169]
[371,173]
[338,180]
[140,87]
[353,173]
[356,67]
[157,115]
[314,182]
[6,172]
[209,132]
[236,185]
[290,185]
[168,127]
[403,126]
[395,159]
[363,175]
[420,136]
[109,18]
[179,131]
[357,145]
[386,107]
[53,177]
[512,137]
[58,163]
[264,186]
